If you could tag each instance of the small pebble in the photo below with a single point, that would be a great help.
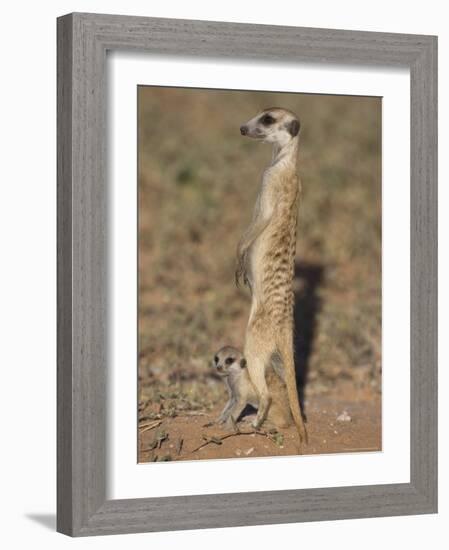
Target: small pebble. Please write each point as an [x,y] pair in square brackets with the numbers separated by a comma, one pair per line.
[238,452]
[249,451]
[344,417]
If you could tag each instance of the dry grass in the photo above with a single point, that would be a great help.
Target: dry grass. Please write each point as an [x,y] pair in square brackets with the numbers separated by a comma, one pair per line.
[198,179]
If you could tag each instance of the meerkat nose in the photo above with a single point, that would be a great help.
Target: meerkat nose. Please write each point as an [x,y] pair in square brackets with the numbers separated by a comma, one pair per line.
[243,130]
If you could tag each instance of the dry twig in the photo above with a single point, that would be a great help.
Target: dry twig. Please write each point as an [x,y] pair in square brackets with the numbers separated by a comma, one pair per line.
[149,426]
[219,440]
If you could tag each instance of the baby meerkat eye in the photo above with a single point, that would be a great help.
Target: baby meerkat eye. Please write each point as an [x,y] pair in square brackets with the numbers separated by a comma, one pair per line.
[216,359]
[229,361]
[267,120]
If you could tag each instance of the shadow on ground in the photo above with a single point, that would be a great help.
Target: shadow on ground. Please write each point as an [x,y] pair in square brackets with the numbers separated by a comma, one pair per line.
[307,280]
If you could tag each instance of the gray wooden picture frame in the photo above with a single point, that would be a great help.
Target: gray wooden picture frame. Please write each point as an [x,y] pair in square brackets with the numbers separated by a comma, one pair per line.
[83,40]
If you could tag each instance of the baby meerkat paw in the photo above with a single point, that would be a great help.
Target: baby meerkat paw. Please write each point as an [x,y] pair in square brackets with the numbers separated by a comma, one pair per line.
[231,424]
[256,424]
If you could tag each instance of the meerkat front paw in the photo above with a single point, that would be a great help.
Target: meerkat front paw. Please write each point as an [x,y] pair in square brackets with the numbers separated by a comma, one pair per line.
[239,272]
[240,269]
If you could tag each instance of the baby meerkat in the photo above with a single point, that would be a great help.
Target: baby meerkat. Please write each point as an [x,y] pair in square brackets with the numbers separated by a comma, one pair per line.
[231,365]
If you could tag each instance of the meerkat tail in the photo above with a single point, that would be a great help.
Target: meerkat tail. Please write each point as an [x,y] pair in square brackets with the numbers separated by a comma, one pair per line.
[286,353]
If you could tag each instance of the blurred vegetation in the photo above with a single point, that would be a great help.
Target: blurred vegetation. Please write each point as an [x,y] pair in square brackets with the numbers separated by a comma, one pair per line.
[198,180]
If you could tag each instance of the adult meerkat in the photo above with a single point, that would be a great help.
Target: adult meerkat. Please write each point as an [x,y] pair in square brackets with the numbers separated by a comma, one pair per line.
[265,260]
[230,364]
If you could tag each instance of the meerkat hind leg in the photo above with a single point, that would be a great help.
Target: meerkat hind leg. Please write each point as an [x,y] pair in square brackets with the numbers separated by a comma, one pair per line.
[279,415]
[277,365]
[256,369]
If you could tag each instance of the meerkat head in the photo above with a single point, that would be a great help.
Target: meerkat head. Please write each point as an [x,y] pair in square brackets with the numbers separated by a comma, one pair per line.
[273,125]
[227,360]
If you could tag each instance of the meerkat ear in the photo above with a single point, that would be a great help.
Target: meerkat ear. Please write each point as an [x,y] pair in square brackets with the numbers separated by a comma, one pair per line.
[293,127]
[243,363]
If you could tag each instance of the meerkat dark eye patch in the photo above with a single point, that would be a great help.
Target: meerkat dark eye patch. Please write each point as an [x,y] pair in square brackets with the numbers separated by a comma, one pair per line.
[293,127]
[229,361]
[266,120]
[243,363]
[216,359]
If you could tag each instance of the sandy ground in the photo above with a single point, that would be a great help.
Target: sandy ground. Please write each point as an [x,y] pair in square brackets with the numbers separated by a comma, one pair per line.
[192,437]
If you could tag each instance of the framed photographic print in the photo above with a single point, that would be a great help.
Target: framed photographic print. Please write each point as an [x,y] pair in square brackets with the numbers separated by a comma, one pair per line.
[247,289]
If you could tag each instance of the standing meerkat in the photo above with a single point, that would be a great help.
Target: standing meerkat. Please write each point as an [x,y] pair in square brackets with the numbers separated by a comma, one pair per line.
[231,365]
[265,260]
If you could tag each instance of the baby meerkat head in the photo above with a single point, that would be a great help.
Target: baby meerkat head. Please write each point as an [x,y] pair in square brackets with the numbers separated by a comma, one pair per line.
[274,125]
[227,360]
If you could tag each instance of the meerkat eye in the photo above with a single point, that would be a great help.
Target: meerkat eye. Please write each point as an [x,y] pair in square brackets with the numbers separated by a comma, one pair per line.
[229,361]
[216,359]
[267,120]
